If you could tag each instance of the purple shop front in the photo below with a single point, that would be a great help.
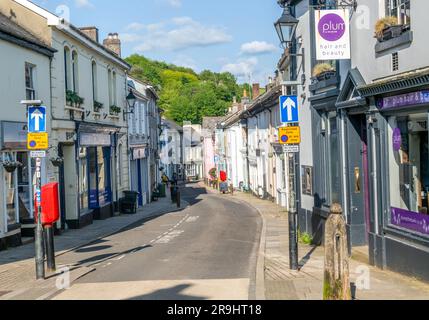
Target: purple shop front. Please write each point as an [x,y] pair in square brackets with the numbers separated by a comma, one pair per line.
[410,220]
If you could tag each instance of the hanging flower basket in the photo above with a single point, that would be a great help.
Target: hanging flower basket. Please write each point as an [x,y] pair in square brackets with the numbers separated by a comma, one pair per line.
[57,162]
[10,166]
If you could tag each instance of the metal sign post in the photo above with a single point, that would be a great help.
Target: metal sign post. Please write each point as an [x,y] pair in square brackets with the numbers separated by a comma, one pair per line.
[40,256]
[290,138]
[37,141]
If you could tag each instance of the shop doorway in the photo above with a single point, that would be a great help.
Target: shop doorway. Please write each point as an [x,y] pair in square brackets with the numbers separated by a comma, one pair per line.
[358,221]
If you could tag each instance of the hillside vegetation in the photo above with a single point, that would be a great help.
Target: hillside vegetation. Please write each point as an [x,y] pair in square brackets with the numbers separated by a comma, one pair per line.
[184,94]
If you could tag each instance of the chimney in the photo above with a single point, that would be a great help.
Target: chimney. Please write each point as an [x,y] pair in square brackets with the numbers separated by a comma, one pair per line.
[255,90]
[113,43]
[91,32]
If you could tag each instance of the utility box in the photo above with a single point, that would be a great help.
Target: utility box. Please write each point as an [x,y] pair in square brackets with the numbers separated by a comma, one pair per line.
[50,204]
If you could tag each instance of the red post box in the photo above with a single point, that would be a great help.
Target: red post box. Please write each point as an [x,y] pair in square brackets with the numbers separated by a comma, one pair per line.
[50,204]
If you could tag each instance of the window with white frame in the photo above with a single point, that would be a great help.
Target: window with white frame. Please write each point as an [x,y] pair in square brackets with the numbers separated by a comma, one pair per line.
[30,91]
[67,73]
[94,80]
[399,9]
[75,77]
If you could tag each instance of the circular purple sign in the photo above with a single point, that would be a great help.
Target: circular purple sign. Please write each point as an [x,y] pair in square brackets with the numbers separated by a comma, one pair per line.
[332,27]
[397,139]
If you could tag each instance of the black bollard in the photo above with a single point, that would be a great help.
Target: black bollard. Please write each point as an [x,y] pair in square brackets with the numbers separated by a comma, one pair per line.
[50,249]
[178,200]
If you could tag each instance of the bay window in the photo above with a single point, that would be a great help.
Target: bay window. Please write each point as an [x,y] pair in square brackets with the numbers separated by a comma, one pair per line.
[399,9]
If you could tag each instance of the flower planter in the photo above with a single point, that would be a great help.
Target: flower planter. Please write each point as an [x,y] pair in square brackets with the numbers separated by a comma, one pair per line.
[390,33]
[57,162]
[11,166]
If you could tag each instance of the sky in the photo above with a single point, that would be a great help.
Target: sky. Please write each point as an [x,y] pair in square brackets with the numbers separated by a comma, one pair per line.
[219,35]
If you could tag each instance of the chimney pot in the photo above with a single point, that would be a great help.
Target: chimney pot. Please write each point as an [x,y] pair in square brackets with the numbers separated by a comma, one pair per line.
[255,90]
[113,43]
[91,32]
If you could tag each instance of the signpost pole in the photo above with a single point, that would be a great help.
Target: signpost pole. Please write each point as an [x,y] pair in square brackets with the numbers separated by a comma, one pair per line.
[40,266]
[293,234]
[290,136]
[37,140]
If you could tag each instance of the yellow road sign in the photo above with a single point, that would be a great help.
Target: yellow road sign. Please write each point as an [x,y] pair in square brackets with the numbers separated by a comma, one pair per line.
[290,135]
[37,141]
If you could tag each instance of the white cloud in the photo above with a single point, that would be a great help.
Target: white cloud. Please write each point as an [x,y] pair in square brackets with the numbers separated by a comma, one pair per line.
[84,4]
[243,69]
[135,26]
[185,61]
[175,3]
[257,47]
[181,33]
[130,37]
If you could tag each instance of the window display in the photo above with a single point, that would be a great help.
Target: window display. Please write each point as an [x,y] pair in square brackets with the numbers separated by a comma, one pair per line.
[409,172]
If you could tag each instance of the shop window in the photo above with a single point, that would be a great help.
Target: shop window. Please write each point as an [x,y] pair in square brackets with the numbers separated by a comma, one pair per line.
[120,164]
[409,173]
[30,91]
[25,186]
[10,186]
[83,180]
[399,9]
[92,168]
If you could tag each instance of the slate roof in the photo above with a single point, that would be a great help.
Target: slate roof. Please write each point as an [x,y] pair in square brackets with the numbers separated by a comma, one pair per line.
[12,32]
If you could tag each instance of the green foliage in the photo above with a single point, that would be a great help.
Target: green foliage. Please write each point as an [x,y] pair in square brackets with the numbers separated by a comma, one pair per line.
[73,98]
[115,110]
[305,238]
[184,94]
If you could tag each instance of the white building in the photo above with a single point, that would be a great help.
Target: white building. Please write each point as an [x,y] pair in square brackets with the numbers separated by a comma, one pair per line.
[88,129]
[24,65]
[171,149]
[193,151]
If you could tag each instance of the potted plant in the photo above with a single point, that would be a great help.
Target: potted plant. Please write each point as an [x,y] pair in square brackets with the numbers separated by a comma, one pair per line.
[79,101]
[10,166]
[97,106]
[387,28]
[70,97]
[323,71]
[115,110]
[57,162]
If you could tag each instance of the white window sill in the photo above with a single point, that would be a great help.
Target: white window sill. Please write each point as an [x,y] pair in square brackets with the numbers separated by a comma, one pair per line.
[82,109]
[114,117]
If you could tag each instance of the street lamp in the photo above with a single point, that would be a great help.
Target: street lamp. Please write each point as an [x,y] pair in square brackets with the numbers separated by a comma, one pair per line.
[286,25]
[131,101]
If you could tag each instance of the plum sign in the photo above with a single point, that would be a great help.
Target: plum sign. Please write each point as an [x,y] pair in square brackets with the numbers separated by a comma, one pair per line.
[332,34]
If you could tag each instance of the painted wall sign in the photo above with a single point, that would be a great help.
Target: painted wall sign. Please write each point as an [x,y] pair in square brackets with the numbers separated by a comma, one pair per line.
[397,139]
[332,34]
[94,139]
[410,220]
[404,100]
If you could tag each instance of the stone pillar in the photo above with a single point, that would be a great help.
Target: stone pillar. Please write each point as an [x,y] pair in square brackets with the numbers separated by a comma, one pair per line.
[337,279]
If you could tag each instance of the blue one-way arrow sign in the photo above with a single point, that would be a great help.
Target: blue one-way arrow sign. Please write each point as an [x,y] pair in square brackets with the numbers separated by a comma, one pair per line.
[289,109]
[37,119]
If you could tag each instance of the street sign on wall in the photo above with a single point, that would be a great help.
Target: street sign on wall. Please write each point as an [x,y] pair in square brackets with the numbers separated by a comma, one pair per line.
[37,119]
[290,135]
[289,109]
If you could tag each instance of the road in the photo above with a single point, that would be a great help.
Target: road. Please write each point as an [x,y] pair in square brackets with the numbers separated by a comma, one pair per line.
[206,251]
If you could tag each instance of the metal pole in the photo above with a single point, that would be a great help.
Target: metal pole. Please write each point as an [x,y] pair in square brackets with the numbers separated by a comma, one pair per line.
[39,250]
[293,234]
[50,249]
[178,200]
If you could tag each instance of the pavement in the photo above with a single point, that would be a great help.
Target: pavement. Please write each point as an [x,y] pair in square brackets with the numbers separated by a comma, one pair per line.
[277,282]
